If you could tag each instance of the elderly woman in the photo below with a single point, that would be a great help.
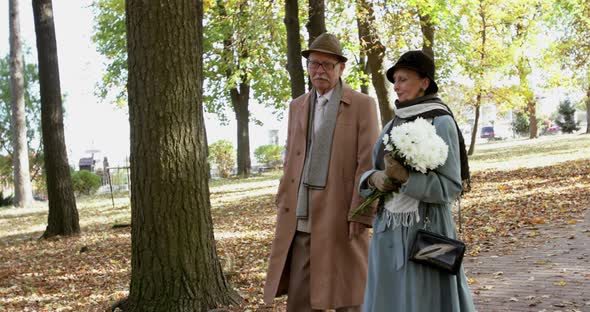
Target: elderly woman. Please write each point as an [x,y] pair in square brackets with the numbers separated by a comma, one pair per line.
[395,283]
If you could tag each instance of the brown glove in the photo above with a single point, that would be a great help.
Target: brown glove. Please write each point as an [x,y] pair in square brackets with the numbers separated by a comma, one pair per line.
[395,170]
[382,182]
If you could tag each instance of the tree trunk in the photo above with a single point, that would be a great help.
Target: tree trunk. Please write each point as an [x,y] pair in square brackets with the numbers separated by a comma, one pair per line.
[375,52]
[240,100]
[588,110]
[362,63]
[427,34]
[317,20]
[475,127]
[174,265]
[294,65]
[316,24]
[23,192]
[63,215]
[532,109]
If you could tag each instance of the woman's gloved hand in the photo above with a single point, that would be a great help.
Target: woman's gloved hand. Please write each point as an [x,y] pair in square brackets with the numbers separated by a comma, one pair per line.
[382,182]
[395,170]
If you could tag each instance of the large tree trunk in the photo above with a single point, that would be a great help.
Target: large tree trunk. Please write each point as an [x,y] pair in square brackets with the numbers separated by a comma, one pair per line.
[474,131]
[294,65]
[63,215]
[240,101]
[532,109]
[174,265]
[375,52]
[317,20]
[23,192]
[427,34]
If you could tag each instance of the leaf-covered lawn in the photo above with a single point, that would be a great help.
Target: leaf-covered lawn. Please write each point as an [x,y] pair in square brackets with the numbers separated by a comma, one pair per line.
[91,271]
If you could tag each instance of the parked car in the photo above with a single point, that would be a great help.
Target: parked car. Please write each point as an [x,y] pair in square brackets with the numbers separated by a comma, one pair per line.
[553,129]
[487,132]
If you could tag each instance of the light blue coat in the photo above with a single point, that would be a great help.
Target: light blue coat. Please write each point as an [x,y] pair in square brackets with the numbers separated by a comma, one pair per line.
[394,283]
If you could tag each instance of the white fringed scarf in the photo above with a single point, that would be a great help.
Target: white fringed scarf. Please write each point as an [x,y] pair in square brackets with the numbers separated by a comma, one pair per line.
[401,209]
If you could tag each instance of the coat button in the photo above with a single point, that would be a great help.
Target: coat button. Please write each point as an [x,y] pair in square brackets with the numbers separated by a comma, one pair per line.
[298,153]
[286,209]
[292,180]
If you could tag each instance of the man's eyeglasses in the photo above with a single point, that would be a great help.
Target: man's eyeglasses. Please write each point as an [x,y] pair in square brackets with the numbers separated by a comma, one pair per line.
[315,65]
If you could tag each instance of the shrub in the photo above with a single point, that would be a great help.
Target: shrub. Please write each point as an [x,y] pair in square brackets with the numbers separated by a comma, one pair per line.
[222,154]
[520,124]
[85,182]
[566,120]
[5,201]
[270,155]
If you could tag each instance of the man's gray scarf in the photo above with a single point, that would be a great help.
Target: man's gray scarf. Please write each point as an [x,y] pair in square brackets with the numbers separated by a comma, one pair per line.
[317,162]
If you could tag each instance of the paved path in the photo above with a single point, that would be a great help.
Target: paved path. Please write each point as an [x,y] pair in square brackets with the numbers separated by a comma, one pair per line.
[551,273]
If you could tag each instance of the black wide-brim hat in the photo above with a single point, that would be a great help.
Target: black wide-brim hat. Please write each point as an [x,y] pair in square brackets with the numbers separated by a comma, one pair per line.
[325,43]
[419,62]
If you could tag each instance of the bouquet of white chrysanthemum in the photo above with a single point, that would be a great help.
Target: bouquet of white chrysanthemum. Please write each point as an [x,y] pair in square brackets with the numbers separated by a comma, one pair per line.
[417,146]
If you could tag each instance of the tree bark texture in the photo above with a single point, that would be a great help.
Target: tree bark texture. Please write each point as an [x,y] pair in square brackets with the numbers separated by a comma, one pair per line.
[317,20]
[174,264]
[63,215]
[375,51]
[532,109]
[23,191]
[427,34]
[294,65]
[474,131]
[240,100]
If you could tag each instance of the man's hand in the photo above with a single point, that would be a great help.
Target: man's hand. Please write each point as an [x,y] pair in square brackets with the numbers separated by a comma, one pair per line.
[382,182]
[355,229]
[395,170]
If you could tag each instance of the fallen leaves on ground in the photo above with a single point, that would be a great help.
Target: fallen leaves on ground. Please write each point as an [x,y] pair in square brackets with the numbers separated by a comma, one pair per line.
[91,271]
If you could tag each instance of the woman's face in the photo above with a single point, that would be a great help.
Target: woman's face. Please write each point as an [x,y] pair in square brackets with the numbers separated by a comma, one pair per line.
[408,84]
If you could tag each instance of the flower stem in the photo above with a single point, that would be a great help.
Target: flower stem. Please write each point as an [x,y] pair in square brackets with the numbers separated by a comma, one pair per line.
[366,205]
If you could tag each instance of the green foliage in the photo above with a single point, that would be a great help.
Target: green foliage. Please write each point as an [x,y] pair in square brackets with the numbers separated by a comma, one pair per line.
[566,121]
[32,105]
[244,48]
[222,154]
[270,155]
[111,41]
[521,123]
[85,182]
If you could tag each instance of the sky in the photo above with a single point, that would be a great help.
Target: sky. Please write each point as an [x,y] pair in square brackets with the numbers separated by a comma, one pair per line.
[90,123]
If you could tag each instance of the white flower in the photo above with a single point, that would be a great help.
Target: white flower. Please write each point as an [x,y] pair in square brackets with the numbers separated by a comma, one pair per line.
[418,144]
[385,139]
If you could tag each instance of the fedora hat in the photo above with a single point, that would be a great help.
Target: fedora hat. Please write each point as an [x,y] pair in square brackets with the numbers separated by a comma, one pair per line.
[419,62]
[325,43]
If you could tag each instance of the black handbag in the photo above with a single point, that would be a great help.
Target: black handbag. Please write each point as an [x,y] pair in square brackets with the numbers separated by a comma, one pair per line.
[437,251]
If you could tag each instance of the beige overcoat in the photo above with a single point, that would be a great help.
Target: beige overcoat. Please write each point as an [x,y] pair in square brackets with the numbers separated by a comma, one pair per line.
[338,266]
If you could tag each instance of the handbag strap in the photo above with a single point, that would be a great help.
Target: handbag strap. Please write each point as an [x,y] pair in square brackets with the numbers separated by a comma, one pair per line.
[460,217]
[427,219]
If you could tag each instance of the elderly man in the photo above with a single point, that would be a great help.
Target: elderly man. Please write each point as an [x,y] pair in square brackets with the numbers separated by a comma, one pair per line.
[319,254]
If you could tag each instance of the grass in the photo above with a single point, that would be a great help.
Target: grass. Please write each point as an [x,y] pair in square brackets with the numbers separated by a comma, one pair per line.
[56,275]
[526,153]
